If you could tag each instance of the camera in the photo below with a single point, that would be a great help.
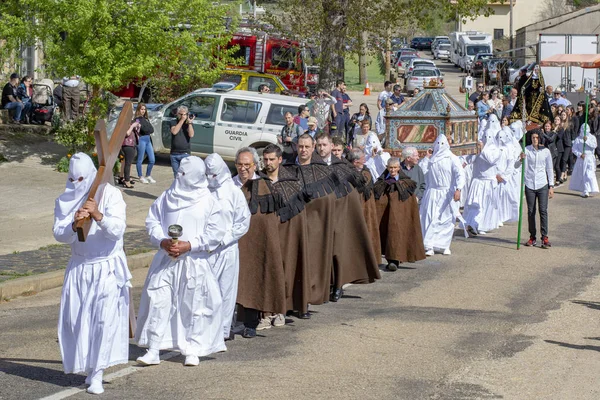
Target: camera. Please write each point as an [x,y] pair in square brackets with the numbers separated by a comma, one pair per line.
[191,116]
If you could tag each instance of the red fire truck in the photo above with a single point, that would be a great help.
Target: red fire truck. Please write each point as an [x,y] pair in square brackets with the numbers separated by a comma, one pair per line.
[261,52]
[285,58]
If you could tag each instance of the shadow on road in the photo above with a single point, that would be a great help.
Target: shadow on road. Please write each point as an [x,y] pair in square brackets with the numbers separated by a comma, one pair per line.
[574,346]
[594,305]
[41,374]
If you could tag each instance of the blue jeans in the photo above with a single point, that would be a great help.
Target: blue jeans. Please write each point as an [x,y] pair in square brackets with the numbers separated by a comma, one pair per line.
[145,147]
[19,108]
[176,160]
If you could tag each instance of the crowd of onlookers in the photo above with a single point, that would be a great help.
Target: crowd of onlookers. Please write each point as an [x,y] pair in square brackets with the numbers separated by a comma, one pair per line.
[18,98]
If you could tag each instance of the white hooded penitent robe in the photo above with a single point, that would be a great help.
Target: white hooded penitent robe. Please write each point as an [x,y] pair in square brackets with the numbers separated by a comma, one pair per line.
[93,324]
[376,163]
[438,209]
[225,260]
[583,178]
[481,210]
[509,190]
[181,305]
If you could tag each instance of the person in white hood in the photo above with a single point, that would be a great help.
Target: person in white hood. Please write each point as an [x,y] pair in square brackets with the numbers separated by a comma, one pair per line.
[445,179]
[508,177]
[225,261]
[93,323]
[181,306]
[583,178]
[481,213]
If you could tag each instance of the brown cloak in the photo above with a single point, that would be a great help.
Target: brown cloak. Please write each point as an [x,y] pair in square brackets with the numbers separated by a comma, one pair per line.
[370,211]
[399,222]
[262,283]
[354,258]
[293,237]
[319,187]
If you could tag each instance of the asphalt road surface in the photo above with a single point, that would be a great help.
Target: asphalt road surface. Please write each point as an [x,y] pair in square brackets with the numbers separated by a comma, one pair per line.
[487,322]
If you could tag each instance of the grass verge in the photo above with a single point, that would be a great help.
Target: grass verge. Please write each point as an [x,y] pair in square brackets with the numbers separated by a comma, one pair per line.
[374,76]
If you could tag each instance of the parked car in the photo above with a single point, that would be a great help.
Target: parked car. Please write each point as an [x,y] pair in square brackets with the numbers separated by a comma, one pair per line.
[418,62]
[251,80]
[437,41]
[478,62]
[421,43]
[225,119]
[403,62]
[442,51]
[418,76]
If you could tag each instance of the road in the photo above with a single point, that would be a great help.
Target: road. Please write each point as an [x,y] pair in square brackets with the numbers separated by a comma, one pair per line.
[488,322]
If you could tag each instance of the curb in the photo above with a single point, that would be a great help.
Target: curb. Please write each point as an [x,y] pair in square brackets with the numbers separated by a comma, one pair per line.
[49,280]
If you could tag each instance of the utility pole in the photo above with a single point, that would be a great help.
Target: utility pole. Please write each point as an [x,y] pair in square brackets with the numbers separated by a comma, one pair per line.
[511,29]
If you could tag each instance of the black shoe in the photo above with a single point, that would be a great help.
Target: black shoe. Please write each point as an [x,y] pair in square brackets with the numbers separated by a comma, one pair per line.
[304,316]
[336,295]
[392,267]
[231,336]
[472,231]
[249,333]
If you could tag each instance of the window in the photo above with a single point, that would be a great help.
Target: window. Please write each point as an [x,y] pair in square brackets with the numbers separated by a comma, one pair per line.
[201,106]
[240,111]
[255,81]
[283,57]
[277,112]
[498,34]
[233,78]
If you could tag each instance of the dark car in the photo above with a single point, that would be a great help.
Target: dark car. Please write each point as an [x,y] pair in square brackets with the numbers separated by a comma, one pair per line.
[421,43]
[478,63]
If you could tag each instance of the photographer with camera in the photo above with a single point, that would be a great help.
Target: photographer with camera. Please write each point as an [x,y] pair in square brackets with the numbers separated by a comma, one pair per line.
[181,133]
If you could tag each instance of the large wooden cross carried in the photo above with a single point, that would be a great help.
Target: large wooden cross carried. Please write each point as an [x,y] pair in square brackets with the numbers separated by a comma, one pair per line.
[108,151]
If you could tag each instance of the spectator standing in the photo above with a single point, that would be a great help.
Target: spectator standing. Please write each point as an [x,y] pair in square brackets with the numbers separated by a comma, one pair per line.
[71,97]
[302,118]
[560,149]
[549,92]
[337,109]
[539,187]
[474,97]
[396,96]
[312,127]
[288,138]
[320,107]
[410,166]
[557,100]
[130,142]
[483,107]
[567,144]
[380,120]
[383,96]
[25,93]
[181,133]
[549,139]
[356,120]
[10,100]
[347,104]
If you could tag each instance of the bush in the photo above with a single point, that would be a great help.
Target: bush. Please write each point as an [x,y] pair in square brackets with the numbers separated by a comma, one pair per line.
[63,164]
[75,135]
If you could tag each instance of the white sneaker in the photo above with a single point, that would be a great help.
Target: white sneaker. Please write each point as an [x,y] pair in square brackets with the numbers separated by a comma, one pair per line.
[279,320]
[95,382]
[429,253]
[265,323]
[143,180]
[191,361]
[500,224]
[585,195]
[482,232]
[150,179]
[447,252]
[150,358]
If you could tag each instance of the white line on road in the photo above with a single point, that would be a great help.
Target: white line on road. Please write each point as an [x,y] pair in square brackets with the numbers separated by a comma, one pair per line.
[107,378]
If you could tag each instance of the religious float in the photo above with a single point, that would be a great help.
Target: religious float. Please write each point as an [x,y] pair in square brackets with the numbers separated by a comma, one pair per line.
[418,122]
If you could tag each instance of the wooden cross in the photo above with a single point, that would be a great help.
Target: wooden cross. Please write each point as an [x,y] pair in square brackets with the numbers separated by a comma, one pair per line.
[108,152]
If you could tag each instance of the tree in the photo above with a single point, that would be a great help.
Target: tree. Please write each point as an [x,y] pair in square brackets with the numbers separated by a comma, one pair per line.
[554,8]
[330,23]
[110,43]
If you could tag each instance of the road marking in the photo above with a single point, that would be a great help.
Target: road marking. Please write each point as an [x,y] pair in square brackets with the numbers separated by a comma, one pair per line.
[107,378]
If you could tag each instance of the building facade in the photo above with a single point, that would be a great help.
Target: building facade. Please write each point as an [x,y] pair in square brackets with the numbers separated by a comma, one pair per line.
[525,12]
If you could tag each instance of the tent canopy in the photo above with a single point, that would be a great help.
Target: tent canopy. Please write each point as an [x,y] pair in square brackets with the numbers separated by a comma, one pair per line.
[572,60]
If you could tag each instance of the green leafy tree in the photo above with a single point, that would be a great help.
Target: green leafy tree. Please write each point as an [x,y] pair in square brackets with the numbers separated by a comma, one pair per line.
[335,25]
[110,43]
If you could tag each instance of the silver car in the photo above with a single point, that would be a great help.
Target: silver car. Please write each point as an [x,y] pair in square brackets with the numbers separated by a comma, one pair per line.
[418,76]
[442,51]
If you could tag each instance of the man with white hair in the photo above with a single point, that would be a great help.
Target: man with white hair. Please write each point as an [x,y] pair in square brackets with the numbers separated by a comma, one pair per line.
[94,305]
[440,206]
[398,213]
[181,306]
[225,261]
[481,214]
[246,163]
[410,166]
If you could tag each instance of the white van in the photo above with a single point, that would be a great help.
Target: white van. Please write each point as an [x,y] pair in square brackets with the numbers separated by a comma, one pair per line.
[471,44]
[225,120]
